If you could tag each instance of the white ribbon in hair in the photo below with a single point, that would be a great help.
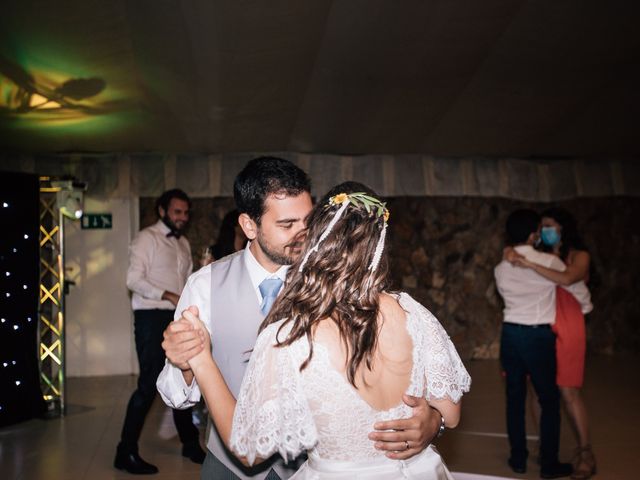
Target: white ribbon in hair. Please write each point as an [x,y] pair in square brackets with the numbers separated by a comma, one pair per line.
[324,235]
[377,255]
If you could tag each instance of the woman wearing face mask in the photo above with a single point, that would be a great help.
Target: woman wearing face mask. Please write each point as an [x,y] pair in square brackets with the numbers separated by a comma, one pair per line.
[559,236]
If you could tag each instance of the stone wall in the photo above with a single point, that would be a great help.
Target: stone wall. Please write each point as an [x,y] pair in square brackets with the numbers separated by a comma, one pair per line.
[443,250]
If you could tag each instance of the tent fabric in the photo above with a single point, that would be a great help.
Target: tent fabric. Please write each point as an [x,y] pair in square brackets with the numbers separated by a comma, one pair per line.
[147,175]
[439,77]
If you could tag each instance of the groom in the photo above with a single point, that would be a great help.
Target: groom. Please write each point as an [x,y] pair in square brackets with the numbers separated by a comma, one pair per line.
[233,296]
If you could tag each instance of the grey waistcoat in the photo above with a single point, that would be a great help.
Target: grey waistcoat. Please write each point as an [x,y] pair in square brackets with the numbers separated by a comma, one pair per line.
[235,319]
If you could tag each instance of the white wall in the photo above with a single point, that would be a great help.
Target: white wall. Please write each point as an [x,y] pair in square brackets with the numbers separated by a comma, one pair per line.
[99,330]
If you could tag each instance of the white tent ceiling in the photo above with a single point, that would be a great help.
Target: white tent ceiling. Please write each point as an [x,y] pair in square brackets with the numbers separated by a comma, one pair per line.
[441,77]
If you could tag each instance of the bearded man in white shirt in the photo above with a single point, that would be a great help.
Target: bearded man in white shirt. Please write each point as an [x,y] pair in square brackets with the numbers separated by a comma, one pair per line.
[159,264]
[527,346]
[234,294]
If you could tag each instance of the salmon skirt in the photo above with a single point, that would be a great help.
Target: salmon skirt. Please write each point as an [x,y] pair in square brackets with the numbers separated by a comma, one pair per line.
[571,340]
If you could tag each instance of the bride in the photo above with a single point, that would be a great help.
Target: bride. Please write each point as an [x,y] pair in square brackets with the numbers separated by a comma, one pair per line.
[336,354]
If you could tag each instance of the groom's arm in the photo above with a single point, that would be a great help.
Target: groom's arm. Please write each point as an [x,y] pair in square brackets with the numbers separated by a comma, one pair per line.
[417,431]
[181,343]
[176,383]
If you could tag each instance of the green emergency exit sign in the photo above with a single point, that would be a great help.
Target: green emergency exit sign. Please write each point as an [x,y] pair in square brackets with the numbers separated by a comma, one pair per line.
[95,221]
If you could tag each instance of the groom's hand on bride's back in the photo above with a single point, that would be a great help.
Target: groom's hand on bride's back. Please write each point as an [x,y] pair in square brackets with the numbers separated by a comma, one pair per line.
[182,341]
[416,432]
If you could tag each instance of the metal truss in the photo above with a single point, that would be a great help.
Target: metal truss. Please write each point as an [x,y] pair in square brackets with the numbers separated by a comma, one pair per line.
[51,323]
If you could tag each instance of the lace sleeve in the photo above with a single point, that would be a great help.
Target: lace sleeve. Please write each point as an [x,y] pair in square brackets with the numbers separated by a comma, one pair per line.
[445,374]
[272,413]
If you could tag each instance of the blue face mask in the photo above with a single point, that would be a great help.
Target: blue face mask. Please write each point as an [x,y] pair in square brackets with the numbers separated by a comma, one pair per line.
[550,236]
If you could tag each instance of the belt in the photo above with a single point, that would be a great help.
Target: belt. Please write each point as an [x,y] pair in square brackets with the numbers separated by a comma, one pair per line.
[519,325]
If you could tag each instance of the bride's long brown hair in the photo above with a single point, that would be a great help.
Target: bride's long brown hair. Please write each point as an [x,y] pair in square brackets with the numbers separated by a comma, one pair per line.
[336,282]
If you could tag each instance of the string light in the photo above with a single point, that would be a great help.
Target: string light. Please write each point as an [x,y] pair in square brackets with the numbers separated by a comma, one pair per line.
[15,278]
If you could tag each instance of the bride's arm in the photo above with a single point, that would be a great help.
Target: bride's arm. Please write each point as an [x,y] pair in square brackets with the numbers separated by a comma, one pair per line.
[220,401]
[450,411]
[446,379]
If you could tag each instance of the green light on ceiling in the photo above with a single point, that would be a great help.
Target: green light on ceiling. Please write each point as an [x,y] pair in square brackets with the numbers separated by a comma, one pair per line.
[55,95]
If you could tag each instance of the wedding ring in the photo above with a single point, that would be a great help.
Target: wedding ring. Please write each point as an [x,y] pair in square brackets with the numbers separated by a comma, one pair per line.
[406,442]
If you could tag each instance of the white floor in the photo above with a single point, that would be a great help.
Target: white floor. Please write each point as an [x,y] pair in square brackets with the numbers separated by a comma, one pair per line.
[474,476]
[81,445]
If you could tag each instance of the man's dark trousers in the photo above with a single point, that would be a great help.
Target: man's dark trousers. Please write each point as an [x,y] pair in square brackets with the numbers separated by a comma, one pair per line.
[149,325]
[530,350]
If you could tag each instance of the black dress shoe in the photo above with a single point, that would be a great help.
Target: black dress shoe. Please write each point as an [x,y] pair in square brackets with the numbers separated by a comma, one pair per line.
[518,467]
[556,471]
[132,463]
[193,452]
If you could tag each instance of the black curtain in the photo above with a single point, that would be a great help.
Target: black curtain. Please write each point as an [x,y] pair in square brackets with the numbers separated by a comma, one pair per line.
[20,394]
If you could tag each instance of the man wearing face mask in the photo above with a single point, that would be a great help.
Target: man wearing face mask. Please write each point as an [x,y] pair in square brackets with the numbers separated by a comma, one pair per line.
[159,265]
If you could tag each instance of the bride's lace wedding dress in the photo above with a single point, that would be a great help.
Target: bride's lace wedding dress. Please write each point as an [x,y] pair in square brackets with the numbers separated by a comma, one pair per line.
[281,409]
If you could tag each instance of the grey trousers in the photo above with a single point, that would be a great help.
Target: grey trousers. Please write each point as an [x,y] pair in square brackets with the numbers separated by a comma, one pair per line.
[214,469]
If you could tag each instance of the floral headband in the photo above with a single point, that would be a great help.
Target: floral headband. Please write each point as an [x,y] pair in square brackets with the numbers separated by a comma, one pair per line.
[358,199]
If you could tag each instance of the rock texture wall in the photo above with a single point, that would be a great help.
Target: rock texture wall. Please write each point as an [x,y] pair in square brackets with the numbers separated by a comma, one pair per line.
[443,250]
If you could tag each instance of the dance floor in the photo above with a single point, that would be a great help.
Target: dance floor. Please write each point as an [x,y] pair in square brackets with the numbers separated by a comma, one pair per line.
[81,445]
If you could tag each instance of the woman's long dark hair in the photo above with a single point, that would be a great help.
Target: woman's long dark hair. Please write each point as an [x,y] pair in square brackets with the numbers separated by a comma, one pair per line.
[336,282]
[571,240]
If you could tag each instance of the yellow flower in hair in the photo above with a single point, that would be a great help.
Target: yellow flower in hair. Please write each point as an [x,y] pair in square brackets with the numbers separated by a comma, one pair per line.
[339,199]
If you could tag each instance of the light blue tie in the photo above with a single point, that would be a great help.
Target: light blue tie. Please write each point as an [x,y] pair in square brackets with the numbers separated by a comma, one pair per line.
[269,289]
